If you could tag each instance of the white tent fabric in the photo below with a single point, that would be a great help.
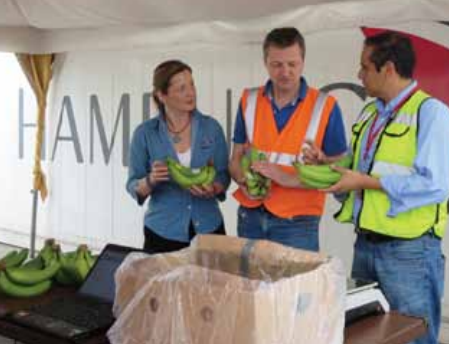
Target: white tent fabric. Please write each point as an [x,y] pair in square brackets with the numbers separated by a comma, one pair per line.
[38,26]
[110,48]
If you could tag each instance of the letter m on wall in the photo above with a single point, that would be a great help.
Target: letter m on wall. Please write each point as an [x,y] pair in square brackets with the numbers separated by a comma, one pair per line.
[97,118]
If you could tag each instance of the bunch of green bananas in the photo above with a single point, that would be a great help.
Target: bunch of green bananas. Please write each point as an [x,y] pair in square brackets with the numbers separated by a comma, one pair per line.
[13,258]
[30,279]
[75,265]
[36,276]
[321,176]
[256,184]
[186,177]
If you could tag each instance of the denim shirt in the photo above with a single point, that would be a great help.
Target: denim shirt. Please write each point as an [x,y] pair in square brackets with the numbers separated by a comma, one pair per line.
[170,207]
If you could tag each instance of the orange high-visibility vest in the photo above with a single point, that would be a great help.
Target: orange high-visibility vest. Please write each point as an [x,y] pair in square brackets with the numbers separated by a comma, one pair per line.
[309,121]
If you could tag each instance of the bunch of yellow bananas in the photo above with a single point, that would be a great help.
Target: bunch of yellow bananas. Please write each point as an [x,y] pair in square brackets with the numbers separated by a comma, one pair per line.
[321,176]
[36,276]
[187,177]
[256,184]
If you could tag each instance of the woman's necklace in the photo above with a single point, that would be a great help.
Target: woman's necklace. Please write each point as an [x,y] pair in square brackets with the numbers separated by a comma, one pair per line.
[176,134]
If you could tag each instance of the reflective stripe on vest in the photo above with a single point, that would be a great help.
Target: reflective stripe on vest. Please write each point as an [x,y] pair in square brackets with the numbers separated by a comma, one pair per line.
[276,157]
[283,148]
[394,155]
[382,168]
[250,113]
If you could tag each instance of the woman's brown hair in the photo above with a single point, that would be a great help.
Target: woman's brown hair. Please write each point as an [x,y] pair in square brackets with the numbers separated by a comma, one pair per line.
[162,76]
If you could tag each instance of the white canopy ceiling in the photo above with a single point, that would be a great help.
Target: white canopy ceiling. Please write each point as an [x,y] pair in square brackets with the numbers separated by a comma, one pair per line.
[65,25]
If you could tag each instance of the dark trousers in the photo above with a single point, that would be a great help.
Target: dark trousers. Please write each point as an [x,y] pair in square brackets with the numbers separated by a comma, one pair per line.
[154,243]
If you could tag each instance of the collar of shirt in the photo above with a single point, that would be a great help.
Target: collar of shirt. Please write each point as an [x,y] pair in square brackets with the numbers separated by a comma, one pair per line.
[268,92]
[385,110]
[163,124]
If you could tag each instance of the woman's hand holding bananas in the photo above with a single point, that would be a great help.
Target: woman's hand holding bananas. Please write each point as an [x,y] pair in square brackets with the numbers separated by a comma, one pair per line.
[206,191]
[159,173]
[200,181]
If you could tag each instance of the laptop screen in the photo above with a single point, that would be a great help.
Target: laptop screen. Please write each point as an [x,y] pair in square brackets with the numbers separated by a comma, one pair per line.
[100,283]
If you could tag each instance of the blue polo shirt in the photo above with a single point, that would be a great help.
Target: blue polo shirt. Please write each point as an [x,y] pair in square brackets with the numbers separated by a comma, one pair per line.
[334,142]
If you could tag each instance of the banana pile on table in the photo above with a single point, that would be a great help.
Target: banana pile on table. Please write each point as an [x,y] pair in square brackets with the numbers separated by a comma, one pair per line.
[187,177]
[22,278]
[256,184]
[321,176]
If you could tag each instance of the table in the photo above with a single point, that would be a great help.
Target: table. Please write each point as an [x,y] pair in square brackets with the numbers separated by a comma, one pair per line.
[391,328]
[30,336]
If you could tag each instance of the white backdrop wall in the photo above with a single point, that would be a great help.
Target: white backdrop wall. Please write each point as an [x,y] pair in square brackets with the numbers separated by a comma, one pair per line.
[87,200]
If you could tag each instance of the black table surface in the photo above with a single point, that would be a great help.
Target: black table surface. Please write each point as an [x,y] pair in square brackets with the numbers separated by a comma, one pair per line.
[391,328]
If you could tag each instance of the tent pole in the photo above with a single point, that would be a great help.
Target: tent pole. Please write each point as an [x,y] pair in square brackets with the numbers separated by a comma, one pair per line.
[33,223]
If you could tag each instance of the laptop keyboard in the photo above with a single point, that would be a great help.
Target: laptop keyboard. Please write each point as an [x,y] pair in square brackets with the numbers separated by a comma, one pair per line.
[80,311]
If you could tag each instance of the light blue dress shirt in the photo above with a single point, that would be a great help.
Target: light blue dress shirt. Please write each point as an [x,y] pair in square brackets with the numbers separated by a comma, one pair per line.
[429,184]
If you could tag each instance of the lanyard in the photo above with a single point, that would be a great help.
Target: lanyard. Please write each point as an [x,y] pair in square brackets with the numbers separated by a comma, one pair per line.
[373,132]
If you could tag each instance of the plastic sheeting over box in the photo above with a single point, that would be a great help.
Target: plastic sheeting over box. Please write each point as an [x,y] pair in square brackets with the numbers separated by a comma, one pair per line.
[227,290]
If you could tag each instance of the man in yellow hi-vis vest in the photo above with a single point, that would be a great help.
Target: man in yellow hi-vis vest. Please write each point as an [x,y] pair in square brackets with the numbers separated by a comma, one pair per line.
[397,190]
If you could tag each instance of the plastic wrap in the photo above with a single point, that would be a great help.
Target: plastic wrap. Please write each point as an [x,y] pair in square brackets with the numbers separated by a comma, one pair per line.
[227,290]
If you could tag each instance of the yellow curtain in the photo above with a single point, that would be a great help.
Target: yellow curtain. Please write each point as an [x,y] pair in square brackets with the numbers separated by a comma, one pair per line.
[38,70]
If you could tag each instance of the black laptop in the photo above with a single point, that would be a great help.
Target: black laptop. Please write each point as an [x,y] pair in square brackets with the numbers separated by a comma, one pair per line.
[84,313]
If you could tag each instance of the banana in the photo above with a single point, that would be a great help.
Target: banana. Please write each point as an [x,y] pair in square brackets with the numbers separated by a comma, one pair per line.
[43,258]
[262,157]
[186,177]
[322,173]
[321,176]
[10,288]
[251,183]
[245,163]
[345,162]
[256,184]
[47,253]
[67,274]
[176,174]
[34,264]
[63,276]
[181,168]
[313,184]
[81,263]
[78,267]
[6,260]
[8,256]
[14,258]
[27,276]
[69,255]
[253,154]
[211,173]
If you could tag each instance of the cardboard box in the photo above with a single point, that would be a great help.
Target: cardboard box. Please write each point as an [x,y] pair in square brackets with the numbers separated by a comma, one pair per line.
[227,290]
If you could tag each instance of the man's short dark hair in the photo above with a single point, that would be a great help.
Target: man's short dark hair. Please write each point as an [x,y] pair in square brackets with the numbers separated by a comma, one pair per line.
[284,37]
[394,47]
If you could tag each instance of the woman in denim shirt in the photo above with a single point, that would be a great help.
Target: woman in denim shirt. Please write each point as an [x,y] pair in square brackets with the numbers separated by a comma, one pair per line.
[179,131]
